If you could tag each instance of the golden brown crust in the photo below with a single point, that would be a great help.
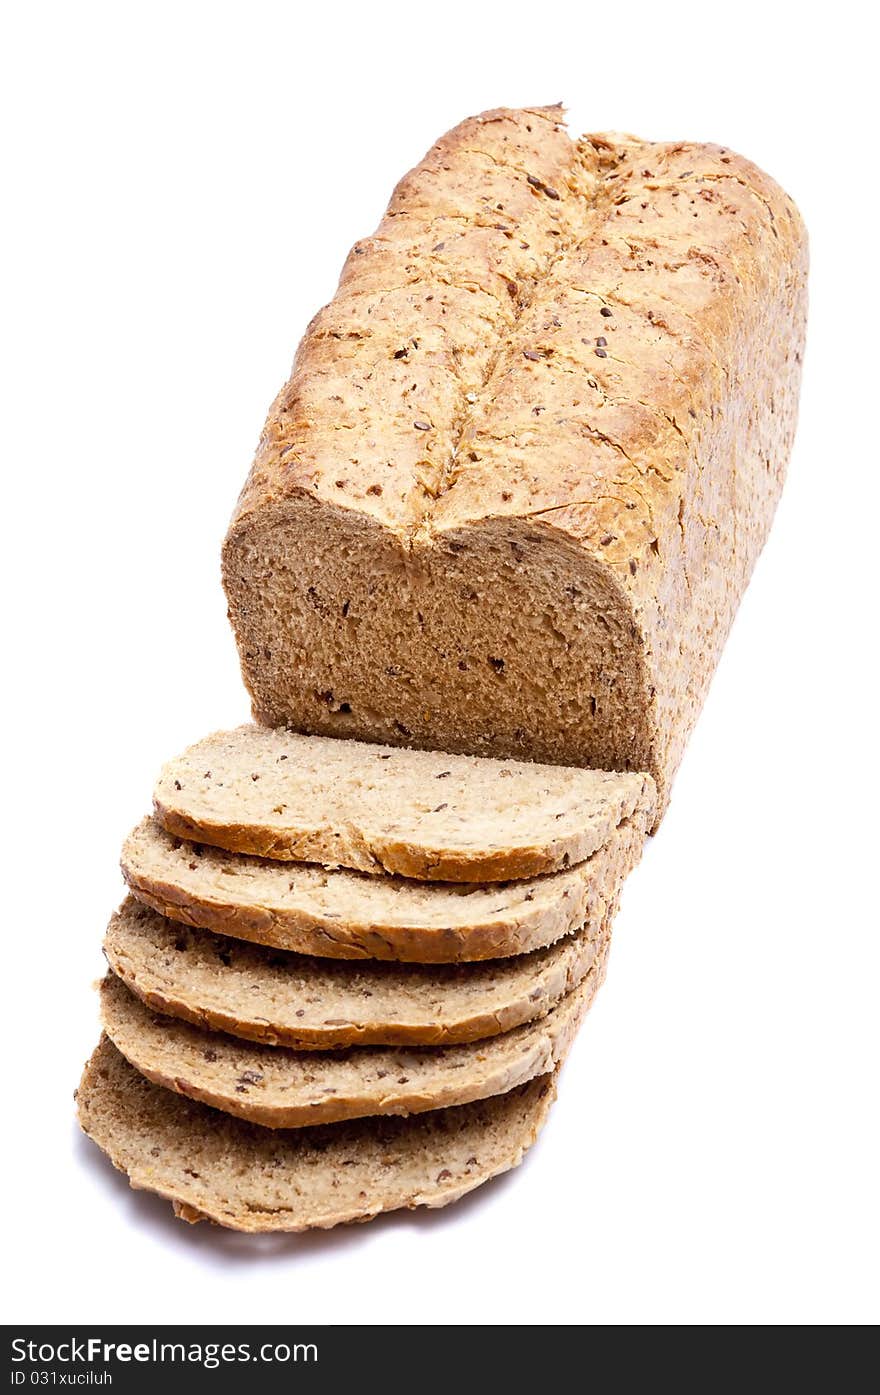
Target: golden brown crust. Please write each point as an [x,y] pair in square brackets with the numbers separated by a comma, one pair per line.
[468,233]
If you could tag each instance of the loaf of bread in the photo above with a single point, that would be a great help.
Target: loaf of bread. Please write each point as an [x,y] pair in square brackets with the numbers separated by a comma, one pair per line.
[510,497]
[283,1088]
[246,1177]
[505,506]
[285,999]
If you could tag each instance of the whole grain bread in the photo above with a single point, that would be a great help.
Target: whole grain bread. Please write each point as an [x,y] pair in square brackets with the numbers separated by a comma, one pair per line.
[347,915]
[281,1088]
[285,999]
[381,809]
[511,495]
[250,1178]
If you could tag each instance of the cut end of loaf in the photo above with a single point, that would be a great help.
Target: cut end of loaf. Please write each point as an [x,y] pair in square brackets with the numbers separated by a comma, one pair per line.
[510,497]
[505,639]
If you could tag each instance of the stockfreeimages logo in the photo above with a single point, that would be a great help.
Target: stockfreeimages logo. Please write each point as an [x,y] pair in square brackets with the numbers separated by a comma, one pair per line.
[94,1351]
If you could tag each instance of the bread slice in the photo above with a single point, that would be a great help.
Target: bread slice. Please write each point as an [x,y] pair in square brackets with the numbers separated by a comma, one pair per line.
[282,1089]
[284,999]
[381,809]
[346,915]
[253,1179]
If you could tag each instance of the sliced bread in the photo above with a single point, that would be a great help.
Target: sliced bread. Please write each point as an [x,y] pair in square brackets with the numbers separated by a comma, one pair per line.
[285,999]
[254,1179]
[381,809]
[282,1089]
[346,915]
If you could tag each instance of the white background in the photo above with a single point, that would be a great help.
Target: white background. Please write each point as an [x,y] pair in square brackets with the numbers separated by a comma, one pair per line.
[182,182]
